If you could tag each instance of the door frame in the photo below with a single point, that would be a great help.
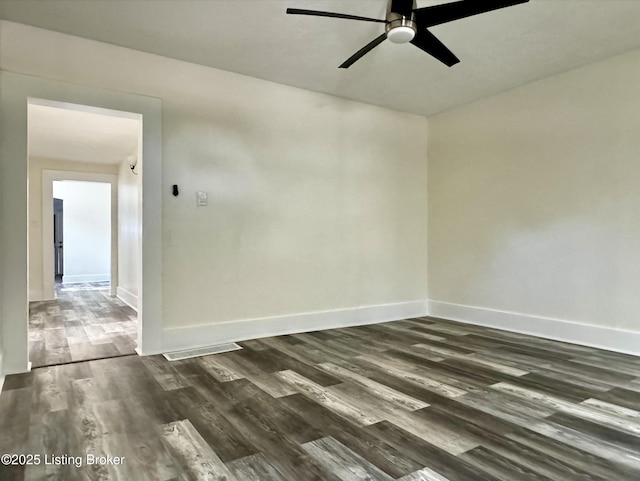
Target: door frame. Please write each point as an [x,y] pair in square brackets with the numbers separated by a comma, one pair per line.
[48,178]
[16,90]
[58,239]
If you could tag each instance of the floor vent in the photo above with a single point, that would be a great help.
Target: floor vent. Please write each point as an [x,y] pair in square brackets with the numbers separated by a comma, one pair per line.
[202,351]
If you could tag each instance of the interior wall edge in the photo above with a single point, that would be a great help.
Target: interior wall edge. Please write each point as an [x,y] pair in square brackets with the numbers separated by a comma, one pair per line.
[176,339]
[618,340]
[427,203]
[1,372]
[127,297]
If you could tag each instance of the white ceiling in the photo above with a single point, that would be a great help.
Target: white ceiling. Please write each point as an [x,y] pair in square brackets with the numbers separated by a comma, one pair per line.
[81,136]
[499,50]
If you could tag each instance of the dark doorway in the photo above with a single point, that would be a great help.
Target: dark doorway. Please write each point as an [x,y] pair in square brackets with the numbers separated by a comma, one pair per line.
[58,251]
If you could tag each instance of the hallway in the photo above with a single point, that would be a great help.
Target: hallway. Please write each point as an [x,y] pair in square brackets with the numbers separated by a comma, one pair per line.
[83,323]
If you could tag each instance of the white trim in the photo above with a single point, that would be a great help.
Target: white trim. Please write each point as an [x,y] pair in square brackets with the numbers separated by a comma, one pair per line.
[618,340]
[177,339]
[17,91]
[80,278]
[150,275]
[1,382]
[48,178]
[127,297]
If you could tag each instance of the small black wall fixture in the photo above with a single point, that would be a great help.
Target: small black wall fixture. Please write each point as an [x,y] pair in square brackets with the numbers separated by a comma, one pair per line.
[133,163]
[175,190]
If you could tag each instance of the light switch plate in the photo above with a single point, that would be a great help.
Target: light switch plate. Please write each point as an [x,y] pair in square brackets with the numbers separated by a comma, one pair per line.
[202,198]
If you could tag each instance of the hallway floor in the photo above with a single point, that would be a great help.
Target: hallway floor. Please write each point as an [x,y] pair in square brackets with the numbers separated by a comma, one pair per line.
[83,323]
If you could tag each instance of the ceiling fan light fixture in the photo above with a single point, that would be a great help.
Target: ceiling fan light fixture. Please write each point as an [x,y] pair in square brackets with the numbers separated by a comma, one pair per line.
[401,34]
[403,18]
[401,30]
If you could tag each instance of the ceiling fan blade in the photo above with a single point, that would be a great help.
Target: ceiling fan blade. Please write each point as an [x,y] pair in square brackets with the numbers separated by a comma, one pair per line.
[447,12]
[403,7]
[428,42]
[363,51]
[316,13]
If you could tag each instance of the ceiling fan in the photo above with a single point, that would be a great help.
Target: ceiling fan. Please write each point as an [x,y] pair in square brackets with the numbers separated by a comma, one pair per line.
[406,23]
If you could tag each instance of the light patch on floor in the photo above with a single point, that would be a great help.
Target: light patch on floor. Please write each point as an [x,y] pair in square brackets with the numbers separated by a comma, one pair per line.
[202,351]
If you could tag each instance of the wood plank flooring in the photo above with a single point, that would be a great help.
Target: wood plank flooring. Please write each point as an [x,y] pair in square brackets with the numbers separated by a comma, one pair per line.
[414,400]
[84,322]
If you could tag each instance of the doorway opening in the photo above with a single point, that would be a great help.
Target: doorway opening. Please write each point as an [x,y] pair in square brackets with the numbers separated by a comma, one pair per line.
[84,236]
[58,239]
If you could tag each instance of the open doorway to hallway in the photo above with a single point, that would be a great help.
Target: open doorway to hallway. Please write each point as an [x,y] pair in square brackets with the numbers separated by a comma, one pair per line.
[84,232]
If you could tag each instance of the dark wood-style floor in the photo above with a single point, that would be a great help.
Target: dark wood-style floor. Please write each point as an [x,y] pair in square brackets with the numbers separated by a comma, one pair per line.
[84,322]
[420,399]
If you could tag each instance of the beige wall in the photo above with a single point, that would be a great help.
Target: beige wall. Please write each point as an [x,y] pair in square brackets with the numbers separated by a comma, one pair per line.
[2,279]
[1,348]
[129,233]
[534,206]
[315,203]
[36,166]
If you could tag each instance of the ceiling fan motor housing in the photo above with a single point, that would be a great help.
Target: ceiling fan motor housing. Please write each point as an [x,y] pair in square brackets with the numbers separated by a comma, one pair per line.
[400,29]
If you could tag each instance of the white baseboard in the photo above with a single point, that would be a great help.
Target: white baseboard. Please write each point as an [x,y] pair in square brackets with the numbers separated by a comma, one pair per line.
[80,278]
[177,339]
[618,340]
[127,297]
